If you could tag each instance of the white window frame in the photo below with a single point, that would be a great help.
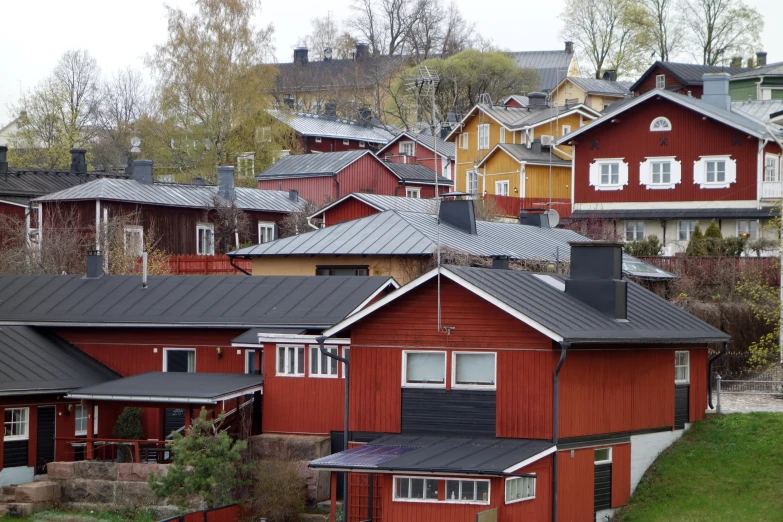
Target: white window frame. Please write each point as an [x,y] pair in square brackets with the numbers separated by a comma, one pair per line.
[502,135]
[407,148]
[468,182]
[362,144]
[523,480]
[690,232]
[610,174]
[319,370]
[199,249]
[660,81]
[95,419]
[596,172]
[774,160]
[406,384]
[266,225]
[765,93]
[135,230]
[346,142]
[752,236]
[25,422]
[660,124]
[464,141]
[247,360]
[165,357]
[413,192]
[461,480]
[605,461]
[502,188]
[346,355]
[483,136]
[700,172]
[635,230]
[566,129]
[396,498]
[687,365]
[80,408]
[293,365]
[318,139]
[457,386]
[647,172]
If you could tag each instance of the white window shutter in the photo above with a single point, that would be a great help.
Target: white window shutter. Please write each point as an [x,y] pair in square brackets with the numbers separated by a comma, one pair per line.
[595,174]
[731,171]
[645,174]
[676,173]
[623,177]
[699,175]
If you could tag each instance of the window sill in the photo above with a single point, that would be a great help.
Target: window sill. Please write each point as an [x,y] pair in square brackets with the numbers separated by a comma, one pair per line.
[517,501]
[719,185]
[660,186]
[608,187]
[419,500]
[318,376]
[487,387]
[423,385]
[289,375]
[682,382]
[15,438]
[80,434]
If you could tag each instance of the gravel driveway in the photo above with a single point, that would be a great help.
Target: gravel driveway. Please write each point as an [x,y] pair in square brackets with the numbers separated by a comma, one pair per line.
[731,403]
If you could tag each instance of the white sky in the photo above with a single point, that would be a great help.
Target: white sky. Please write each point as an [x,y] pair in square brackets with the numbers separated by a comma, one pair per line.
[35,33]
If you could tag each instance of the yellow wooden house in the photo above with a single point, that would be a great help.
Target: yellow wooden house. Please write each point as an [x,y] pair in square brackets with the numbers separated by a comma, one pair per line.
[596,94]
[537,122]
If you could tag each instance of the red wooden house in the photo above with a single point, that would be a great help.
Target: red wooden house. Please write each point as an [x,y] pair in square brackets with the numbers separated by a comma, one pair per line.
[544,397]
[664,162]
[682,78]
[421,149]
[326,177]
[357,205]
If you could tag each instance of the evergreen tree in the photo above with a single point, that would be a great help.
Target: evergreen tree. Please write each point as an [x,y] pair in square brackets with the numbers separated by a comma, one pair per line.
[713,240]
[697,246]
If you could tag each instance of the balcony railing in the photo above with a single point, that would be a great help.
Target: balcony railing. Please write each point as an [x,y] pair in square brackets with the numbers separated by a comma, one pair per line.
[771,189]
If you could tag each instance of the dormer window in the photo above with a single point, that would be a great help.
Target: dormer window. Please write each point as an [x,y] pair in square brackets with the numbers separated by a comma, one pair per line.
[661,124]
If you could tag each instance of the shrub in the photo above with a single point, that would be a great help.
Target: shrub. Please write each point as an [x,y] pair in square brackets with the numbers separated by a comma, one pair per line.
[697,246]
[278,494]
[713,240]
[128,427]
[649,246]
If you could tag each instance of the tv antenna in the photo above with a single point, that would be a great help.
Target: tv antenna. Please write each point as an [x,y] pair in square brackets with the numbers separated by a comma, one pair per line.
[424,87]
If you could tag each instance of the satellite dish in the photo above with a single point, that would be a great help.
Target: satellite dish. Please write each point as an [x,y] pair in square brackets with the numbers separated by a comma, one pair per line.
[554,217]
[135,142]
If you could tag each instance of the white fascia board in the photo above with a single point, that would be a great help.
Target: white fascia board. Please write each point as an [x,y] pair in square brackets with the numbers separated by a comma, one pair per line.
[393,282]
[335,203]
[490,153]
[530,460]
[126,398]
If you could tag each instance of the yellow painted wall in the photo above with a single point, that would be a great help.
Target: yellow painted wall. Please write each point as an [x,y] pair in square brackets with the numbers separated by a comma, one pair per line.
[500,167]
[470,157]
[569,91]
[399,268]
[537,182]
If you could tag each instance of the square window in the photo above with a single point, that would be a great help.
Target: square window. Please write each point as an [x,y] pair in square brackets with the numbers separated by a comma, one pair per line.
[749,227]
[290,360]
[205,240]
[266,231]
[603,456]
[414,193]
[322,365]
[501,188]
[566,130]
[661,172]
[716,171]
[16,423]
[346,142]
[610,173]
[407,148]
[318,139]
[685,229]
[424,368]
[175,360]
[771,168]
[474,369]
[682,369]
[266,134]
[520,488]
[634,230]
[362,144]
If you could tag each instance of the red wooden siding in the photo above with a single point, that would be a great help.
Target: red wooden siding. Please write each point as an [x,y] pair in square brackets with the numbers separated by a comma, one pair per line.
[538,509]
[15,211]
[316,190]
[609,391]
[524,398]
[375,390]
[690,137]
[305,404]
[309,144]
[772,148]
[348,210]
[621,474]
[575,485]
[421,156]
[698,388]
[672,84]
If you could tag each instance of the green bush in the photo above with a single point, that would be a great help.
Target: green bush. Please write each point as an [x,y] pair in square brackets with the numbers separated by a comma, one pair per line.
[713,240]
[697,246]
[128,427]
[649,246]
[278,492]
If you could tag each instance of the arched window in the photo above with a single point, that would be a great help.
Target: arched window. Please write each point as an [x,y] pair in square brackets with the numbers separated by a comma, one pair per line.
[661,124]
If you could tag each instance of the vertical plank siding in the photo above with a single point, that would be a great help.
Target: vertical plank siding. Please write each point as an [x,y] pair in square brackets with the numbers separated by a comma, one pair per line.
[524,396]
[318,190]
[575,485]
[348,210]
[621,474]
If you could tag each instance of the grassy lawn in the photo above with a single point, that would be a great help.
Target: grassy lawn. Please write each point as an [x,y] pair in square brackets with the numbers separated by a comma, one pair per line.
[55,515]
[725,468]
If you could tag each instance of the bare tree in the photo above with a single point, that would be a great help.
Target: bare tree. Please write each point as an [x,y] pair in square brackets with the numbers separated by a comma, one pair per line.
[232,224]
[665,28]
[325,33]
[720,29]
[458,34]
[386,24]
[78,77]
[427,32]
[124,101]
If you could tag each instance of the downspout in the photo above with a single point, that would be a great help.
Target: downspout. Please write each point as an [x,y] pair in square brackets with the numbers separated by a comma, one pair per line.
[709,372]
[338,186]
[556,407]
[231,262]
[320,341]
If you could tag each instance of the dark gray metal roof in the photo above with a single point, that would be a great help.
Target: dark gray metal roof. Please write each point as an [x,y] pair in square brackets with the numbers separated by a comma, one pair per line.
[184,301]
[174,195]
[444,148]
[397,233]
[650,318]
[381,203]
[596,86]
[416,173]
[773,69]
[251,336]
[679,213]
[34,361]
[522,153]
[191,387]
[432,454]
[552,66]
[33,183]
[311,165]
[330,127]
[687,73]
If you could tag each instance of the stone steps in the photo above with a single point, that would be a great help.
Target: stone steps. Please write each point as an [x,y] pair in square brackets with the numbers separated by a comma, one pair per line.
[26,499]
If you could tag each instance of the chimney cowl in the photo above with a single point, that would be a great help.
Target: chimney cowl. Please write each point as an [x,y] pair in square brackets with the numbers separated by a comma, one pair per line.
[459,213]
[78,161]
[94,264]
[596,277]
[142,171]
[610,75]
[226,183]
[761,59]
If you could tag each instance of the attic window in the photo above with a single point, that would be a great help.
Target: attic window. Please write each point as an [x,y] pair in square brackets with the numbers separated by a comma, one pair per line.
[661,124]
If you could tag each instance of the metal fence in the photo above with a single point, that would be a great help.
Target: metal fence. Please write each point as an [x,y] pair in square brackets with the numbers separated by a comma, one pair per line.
[766,382]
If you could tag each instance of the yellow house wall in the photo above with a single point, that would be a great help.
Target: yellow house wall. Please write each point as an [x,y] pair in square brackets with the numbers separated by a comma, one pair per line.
[555,128]
[501,167]
[537,182]
[567,90]
[470,157]
[401,269]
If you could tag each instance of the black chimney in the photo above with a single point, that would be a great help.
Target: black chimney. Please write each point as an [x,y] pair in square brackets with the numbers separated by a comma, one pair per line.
[596,277]
[501,263]
[3,159]
[142,171]
[536,99]
[365,115]
[362,51]
[761,59]
[293,195]
[226,183]
[569,47]
[610,75]
[330,109]
[459,213]
[300,55]
[289,102]
[78,161]
[94,264]
[534,218]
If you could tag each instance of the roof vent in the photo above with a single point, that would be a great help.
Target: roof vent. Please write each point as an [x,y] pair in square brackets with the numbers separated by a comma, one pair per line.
[142,171]
[459,213]
[596,277]
[94,264]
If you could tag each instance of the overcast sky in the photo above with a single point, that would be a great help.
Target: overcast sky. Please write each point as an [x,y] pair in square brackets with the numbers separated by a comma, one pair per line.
[35,33]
